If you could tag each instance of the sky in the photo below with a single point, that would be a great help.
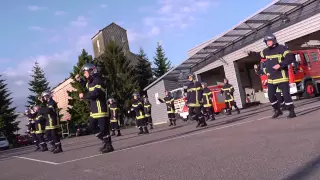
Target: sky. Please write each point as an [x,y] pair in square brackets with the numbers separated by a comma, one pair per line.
[53,33]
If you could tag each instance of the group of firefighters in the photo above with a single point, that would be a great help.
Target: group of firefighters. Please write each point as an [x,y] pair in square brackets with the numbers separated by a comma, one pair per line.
[104,114]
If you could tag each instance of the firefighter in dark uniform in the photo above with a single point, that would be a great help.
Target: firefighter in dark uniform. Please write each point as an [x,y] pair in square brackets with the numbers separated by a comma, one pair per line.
[194,96]
[207,101]
[169,101]
[147,111]
[40,125]
[228,91]
[49,110]
[261,71]
[98,104]
[114,117]
[278,59]
[137,107]
[32,127]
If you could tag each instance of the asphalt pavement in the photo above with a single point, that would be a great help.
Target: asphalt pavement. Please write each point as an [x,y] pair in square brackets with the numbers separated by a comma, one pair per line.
[246,146]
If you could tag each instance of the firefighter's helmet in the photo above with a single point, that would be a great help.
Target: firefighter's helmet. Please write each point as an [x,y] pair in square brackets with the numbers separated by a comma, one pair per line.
[111,100]
[46,94]
[136,94]
[91,68]
[190,75]
[204,84]
[145,99]
[270,37]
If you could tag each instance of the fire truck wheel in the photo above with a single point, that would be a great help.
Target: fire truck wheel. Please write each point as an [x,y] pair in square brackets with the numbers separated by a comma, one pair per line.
[309,90]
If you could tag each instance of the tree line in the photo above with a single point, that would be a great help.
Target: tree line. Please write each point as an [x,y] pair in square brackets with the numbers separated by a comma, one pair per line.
[121,77]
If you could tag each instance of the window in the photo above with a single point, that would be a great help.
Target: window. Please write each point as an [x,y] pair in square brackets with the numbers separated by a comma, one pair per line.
[123,39]
[98,45]
[306,57]
[314,56]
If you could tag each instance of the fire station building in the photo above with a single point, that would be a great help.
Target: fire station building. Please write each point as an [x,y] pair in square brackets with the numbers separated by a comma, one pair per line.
[296,23]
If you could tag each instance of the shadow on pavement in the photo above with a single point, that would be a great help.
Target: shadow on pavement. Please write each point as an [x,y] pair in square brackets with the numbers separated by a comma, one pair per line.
[305,171]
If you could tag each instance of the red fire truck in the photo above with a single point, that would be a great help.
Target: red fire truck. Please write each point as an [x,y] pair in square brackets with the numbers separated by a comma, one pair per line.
[182,108]
[304,75]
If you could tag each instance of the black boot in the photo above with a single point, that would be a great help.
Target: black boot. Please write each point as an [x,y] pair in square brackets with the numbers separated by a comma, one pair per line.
[151,126]
[58,149]
[238,110]
[174,122]
[292,114]
[199,123]
[44,147]
[107,145]
[212,117]
[170,122]
[228,112]
[53,146]
[113,133]
[277,111]
[37,147]
[203,124]
[146,131]
[119,133]
[140,130]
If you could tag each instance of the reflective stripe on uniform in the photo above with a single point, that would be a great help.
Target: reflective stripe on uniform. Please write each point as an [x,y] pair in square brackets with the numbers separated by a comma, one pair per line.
[98,115]
[96,86]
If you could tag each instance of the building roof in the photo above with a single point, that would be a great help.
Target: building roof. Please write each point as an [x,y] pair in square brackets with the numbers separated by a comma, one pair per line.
[278,9]
[113,23]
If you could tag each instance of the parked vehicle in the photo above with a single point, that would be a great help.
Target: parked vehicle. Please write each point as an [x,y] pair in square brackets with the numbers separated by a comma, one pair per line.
[82,130]
[24,140]
[182,108]
[4,143]
[304,74]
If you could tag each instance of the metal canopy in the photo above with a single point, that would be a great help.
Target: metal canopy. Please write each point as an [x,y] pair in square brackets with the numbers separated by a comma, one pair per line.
[276,11]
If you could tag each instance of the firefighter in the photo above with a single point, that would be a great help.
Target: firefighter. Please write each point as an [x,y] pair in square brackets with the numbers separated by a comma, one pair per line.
[169,101]
[228,91]
[194,96]
[207,101]
[137,107]
[98,105]
[49,111]
[261,72]
[40,125]
[114,117]
[147,111]
[31,126]
[278,59]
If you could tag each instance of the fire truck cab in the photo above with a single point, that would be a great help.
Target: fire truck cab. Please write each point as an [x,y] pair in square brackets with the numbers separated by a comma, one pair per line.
[304,74]
[180,102]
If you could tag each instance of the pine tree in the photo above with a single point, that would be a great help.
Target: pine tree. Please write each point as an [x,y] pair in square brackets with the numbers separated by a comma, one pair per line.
[161,62]
[78,109]
[143,70]
[38,84]
[8,123]
[119,75]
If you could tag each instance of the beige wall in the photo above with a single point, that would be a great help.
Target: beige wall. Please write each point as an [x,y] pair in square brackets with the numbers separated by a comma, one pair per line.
[60,95]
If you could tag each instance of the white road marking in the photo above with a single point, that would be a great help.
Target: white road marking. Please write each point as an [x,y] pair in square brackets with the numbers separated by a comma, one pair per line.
[157,142]
[36,160]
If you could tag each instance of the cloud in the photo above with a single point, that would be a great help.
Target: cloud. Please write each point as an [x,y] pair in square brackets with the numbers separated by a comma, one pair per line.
[103,5]
[154,31]
[4,60]
[59,13]
[35,8]
[81,21]
[134,36]
[55,38]
[177,13]
[36,28]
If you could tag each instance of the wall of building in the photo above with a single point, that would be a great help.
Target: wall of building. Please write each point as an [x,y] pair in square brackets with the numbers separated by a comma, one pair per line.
[115,33]
[171,85]
[212,77]
[159,113]
[290,33]
[60,95]
[98,45]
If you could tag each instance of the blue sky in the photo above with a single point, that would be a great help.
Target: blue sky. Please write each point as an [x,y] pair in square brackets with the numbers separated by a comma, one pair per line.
[54,32]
